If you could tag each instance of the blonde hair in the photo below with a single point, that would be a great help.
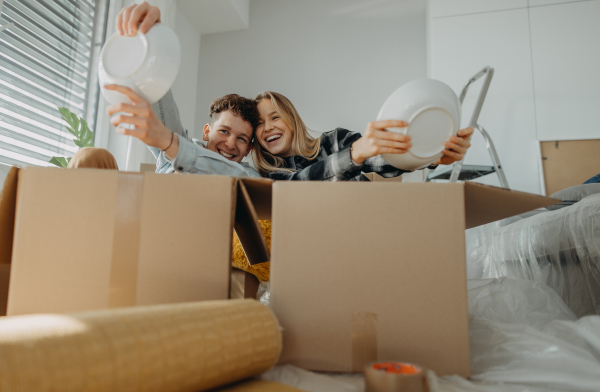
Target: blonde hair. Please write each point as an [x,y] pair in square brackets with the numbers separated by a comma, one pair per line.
[302,143]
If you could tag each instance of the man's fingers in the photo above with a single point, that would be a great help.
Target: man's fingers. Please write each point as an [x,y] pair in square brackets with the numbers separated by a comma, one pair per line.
[136,16]
[119,24]
[125,12]
[127,108]
[132,95]
[152,17]
[139,122]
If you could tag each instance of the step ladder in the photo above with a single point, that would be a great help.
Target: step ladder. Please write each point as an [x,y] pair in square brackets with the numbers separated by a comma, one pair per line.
[460,172]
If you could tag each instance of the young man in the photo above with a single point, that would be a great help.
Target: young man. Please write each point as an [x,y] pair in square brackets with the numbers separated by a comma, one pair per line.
[228,137]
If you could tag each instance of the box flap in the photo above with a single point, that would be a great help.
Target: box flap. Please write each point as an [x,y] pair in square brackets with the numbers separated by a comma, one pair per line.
[8,199]
[485,204]
[260,192]
[247,227]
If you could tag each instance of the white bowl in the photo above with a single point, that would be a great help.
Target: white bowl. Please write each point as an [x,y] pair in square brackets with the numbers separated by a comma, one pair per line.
[432,111]
[147,63]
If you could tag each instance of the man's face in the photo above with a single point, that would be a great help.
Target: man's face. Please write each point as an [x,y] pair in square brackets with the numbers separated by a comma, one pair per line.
[229,135]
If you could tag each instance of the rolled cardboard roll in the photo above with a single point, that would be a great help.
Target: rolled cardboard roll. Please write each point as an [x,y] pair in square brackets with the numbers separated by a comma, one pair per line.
[395,377]
[180,347]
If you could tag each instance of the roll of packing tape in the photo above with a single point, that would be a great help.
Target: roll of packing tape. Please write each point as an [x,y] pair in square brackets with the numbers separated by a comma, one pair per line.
[395,377]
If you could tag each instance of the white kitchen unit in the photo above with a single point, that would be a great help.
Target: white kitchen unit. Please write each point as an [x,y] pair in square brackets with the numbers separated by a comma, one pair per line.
[565,42]
[546,86]
[463,45]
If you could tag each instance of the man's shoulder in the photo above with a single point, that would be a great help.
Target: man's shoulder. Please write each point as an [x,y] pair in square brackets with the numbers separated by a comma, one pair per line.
[252,172]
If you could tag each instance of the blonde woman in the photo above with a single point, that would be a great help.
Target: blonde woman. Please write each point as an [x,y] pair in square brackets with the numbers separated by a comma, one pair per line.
[284,150]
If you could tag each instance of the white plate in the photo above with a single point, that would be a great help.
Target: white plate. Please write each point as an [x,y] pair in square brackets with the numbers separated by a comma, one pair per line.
[432,111]
[147,63]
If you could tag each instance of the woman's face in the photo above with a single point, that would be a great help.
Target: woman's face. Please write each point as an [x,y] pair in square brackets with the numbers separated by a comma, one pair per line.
[272,132]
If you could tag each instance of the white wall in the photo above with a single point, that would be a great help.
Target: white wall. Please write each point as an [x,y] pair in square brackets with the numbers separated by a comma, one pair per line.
[337,60]
[186,85]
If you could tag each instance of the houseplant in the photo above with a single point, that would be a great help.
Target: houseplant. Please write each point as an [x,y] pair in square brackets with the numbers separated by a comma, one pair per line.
[78,127]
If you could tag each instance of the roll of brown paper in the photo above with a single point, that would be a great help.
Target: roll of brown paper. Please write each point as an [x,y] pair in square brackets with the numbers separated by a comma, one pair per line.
[181,347]
[395,377]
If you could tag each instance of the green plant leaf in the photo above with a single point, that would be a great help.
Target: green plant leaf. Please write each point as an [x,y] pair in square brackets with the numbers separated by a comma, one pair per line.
[72,132]
[78,143]
[87,134]
[75,124]
[66,113]
[60,161]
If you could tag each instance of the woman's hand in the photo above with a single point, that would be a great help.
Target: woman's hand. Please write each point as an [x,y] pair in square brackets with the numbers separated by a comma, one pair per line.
[376,140]
[148,128]
[456,147]
[130,17]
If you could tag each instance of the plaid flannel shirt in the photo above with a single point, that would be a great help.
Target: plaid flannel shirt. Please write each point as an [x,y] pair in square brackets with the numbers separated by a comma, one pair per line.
[334,162]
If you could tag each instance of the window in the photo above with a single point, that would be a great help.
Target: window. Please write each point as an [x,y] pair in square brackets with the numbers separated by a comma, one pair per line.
[47,60]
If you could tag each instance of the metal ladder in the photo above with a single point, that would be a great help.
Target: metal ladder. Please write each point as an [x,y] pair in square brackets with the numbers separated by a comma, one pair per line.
[469,172]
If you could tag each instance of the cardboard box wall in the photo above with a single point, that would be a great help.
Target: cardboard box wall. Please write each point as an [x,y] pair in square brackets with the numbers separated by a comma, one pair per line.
[377,272]
[568,163]
[91,239]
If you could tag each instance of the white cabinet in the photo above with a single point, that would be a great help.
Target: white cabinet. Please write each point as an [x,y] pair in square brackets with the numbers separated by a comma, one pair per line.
[442,8]
[565,42]
[463,45]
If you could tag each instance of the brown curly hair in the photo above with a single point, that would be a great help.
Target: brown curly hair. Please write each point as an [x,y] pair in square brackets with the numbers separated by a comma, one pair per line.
[241,106]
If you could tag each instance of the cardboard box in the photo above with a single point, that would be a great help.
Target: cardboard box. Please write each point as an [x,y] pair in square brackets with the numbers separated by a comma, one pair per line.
[90,239]
[569,162]
[377,272]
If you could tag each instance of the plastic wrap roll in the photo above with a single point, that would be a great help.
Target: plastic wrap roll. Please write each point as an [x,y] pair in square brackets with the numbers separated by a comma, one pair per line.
[181,347]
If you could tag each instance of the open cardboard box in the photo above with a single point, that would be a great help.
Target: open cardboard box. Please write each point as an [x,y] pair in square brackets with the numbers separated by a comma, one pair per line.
[376,272]
[358,272]
[91,239]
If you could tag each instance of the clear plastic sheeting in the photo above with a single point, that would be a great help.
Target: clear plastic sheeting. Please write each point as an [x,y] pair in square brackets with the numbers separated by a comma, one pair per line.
[559,248]
[264,293]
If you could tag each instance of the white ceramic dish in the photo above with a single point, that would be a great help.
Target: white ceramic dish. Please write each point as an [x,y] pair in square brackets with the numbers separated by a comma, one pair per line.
[147,63]
[432,111]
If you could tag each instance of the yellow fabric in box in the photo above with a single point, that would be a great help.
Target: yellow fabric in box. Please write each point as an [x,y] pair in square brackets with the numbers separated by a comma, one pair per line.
[239,260]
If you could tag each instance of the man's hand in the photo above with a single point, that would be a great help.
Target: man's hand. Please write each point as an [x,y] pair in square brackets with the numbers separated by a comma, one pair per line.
[456,147]
[148,128]
[130,17]
[376,140]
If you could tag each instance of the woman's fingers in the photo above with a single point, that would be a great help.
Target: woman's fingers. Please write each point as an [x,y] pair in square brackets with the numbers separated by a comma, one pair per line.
[382,124]
[456,147]
[465,133]
[135,98]
[454,155]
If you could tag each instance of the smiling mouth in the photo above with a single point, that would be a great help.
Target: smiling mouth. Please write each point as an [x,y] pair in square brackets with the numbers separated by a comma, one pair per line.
[228,156]
[272,138]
